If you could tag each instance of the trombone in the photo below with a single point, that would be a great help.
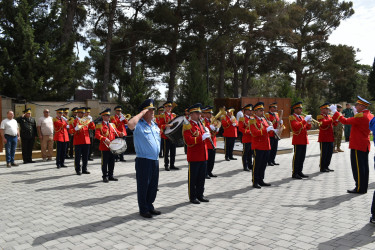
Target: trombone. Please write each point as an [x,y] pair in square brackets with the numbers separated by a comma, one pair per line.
[313,120]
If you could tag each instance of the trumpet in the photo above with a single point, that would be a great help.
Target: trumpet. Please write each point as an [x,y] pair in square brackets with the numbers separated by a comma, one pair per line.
[312,119]
[84,122]
[270,124]
[126,116]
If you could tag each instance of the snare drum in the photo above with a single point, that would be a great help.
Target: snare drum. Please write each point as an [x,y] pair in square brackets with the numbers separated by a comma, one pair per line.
[117,146]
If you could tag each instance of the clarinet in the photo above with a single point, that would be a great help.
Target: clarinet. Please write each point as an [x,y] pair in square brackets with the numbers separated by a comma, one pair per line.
[212,143]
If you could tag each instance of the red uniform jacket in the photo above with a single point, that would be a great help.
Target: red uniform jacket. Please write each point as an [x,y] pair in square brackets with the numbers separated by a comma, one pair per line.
[326,128]
[360,133]
[120,125]
[207,123]
[102,132]
[243,126]
[61,132]
[258,128]
[274,118]
[229,129]
[81,136]
[299,128]
[196,147]
[164,118]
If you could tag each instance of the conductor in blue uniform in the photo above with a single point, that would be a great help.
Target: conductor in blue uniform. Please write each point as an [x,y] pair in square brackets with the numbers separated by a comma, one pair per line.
[146,138]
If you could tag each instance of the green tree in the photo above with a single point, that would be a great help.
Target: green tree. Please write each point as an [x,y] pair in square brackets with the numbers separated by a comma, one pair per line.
[371,80]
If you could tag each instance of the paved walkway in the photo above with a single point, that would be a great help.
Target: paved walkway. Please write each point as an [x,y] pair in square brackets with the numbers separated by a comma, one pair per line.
[42,207]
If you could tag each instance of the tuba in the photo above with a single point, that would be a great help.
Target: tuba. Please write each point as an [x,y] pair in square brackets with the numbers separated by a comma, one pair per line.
[216,119]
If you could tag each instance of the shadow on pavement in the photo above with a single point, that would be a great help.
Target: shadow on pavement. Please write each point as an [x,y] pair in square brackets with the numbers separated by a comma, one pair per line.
[37,180]
[98,201]
[365,234]
[289,179]
[101,225]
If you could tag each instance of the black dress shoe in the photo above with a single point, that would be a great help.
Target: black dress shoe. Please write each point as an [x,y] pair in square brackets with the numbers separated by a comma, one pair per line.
[91,159]
[58,166]
[167,169]
[303,175]
[78,173]
[324,170]
[354,191]
[227,159]
[25,162]
[146,215]
[270,164]
[372,219]
[256,185]
[112,179]
[274,163]
[195,201]
[330,170]
[174,168]
[105,180]
[246,169]
[212,175]
[155,212]
[31,161]
[232,158]
[64,166]
[263,184]
[85,172]
[203,199]
[296,176]
[116,160]
[208,177]
[123,160]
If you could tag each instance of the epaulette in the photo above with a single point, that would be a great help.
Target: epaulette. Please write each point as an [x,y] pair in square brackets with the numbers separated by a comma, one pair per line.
[267,115]
[112,117]
[359,115]
[173,114]
[222,117]
[99,125]
[292,118]
[161,116]
[157,116]
[252,120]
[242,119]
[186,127]
[54,119]
[319,117]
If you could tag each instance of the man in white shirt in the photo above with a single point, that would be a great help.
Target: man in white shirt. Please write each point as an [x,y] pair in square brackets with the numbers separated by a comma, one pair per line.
[10,134]
[45,133]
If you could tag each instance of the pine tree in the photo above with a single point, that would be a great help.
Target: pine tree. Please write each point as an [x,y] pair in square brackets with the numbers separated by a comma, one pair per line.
[371,81]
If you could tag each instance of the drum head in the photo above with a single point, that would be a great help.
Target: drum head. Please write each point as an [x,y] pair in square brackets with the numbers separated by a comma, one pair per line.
[117,144]
[176,125]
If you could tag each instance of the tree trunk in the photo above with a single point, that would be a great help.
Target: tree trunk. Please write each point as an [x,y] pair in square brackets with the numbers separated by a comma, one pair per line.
[107,55]
[298,71]
[235,73]
[244,80]
[70,9]
[221,74]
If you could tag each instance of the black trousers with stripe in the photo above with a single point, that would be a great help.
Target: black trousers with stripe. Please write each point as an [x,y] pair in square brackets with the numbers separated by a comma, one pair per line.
[360,169]
[211,160]
[196,179]
[247,156]
[274,144]
[169,147]
[60,152]
[260,164]
[326,151]
[229,145]
[108,163]
[299,158]
[81,151]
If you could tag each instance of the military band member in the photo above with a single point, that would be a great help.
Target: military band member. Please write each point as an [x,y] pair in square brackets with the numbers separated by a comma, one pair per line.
[299,126]
[229,124]
[157,120]
[197,155]
[207,114]
[169,146]
[337,133]
[106,132]
[120,121]
[70,144]
[244,127]
[28,134]
[260,144]
[273,117]
[325,139]
[91,132]
[359,143]
[147,146]
[81,140]
[61,137]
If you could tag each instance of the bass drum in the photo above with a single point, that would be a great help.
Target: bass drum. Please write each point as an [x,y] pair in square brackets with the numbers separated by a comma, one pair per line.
[117,146]
[174,133]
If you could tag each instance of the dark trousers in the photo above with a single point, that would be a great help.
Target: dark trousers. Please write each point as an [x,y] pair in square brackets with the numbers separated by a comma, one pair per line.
[347,129]
[27,149]
[196,179]
[373,200]
[211,160]
[229,145]
[169,147]
[108,163]
[60,152]
[147,175]
[360,169]
[260,164]
[91,147]
[81,151]
[247,156]
[298,158]
[69,148]
[326,151]
[274,142]
[161,153]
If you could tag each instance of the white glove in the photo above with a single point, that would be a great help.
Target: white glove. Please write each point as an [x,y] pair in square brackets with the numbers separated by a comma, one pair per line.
[65,119]
[212,127]
[234,124]
[217,129]
[333,108]
[269,128]
[275,130]
[76,128]
[90,117]
[354,110]
[308,118]
[206,135]
[122,118]
[67,126]
[281,122]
